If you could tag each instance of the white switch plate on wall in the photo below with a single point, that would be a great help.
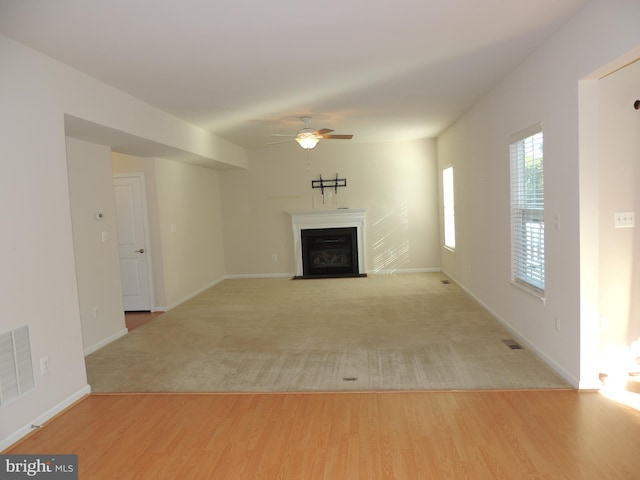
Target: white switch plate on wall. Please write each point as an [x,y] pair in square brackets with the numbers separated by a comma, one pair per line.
[624,219]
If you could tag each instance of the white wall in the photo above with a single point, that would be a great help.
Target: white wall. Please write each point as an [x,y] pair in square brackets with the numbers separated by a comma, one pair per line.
[543,89]
[190,224]
[37,279]
[188,260]
[38,283]
[190,257]
[395,182]
[619,249]
[97,266]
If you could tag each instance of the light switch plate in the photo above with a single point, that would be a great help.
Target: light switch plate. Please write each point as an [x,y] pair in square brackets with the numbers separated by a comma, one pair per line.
[624,219]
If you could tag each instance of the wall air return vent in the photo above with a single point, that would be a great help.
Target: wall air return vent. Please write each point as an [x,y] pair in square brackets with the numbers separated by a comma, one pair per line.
[16,368]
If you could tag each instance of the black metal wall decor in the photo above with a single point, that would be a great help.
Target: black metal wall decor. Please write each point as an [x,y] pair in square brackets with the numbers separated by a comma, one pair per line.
[333,183]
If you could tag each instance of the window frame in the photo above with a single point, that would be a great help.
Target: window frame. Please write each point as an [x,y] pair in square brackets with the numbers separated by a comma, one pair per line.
[448,209]
[526,156]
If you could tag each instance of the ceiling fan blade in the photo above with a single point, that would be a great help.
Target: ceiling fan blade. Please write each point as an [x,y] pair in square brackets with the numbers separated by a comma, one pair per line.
[281,135]
[338,137]
[322,132]
[281,141]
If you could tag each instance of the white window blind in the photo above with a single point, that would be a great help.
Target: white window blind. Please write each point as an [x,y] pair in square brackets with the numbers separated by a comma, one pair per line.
[448,206]
[527,209]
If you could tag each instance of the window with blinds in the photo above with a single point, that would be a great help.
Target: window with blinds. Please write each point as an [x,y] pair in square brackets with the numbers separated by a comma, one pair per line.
[527,209]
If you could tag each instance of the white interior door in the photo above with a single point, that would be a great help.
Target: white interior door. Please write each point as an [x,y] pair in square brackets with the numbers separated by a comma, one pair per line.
[132,241]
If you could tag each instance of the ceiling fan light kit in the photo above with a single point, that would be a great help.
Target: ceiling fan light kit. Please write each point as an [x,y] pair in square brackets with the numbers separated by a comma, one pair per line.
[308,138]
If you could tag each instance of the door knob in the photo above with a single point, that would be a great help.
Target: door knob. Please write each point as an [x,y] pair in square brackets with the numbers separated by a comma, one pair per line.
[140,251]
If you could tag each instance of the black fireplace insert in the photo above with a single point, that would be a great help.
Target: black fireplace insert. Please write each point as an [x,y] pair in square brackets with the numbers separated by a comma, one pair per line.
[330,252]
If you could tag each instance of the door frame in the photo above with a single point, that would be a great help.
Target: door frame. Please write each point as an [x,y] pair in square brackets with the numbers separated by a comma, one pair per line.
[145,226]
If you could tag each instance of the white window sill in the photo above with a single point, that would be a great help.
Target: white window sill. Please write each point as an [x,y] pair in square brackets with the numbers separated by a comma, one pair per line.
[532,293]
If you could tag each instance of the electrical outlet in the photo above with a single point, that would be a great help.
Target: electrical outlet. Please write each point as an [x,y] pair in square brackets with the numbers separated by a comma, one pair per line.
[44,365]
[557,324]
[274,257]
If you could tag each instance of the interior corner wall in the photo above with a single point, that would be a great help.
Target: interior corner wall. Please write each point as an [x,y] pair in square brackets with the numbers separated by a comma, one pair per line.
[126,164]
[38,281]
[190,226]
[38,284]
[95,243]
[395,182]
[544,88]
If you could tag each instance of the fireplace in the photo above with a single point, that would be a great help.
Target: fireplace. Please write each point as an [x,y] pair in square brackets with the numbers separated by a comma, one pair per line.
[334,243]
[330,252]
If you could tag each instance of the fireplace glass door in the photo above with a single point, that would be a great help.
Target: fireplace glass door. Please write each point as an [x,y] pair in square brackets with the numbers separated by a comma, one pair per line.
[330,252]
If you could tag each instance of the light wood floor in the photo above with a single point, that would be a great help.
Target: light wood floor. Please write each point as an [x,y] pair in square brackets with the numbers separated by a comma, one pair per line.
[134,320]
[542,434]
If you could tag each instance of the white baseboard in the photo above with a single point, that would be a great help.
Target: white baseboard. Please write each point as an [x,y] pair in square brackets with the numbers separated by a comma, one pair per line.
[403,270]
[260,275]
[193,294]
[573,381]
[163,308]
[105,341]
[46,416]
[595,385]
[369,272]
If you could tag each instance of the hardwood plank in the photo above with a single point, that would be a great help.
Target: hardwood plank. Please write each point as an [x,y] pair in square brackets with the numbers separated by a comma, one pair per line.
[393,435]
[135,320]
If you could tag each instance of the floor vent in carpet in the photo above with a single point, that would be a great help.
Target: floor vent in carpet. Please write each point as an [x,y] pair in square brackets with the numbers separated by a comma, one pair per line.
[446,282]
[512,344]
[349,379]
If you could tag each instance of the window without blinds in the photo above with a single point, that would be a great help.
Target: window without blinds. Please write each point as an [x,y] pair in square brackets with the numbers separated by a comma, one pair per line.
[527,209]
[448,207]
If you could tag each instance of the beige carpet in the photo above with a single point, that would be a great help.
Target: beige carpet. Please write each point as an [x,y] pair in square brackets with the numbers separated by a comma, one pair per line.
[383,332]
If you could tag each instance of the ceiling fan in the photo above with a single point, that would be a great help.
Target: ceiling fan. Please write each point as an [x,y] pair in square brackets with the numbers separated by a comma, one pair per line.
[308,138]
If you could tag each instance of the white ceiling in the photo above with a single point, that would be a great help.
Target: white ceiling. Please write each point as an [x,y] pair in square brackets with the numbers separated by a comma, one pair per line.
[242,69]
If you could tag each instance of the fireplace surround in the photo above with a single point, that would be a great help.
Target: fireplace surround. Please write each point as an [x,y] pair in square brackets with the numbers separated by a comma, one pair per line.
[329,230]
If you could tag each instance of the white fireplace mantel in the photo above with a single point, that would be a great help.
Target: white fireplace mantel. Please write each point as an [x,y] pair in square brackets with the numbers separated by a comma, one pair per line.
[340,218]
